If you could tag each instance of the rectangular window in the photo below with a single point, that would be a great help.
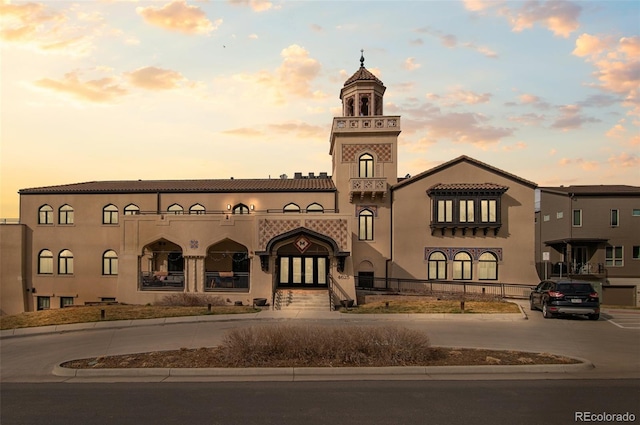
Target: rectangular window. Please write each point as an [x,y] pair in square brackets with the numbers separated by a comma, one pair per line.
[636,253]
[445,211]
[322,270]
[365,229]
[577,218]
[615,216]
[636,212]
[546,217]
[66,302]
[284,269]
[44,303]
[559,214]
[308,270]
[487,270]
[614,256]
[488,210]
[466,211]
[297,269]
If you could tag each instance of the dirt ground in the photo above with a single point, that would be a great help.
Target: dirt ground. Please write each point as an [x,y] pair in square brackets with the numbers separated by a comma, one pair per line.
[211,357]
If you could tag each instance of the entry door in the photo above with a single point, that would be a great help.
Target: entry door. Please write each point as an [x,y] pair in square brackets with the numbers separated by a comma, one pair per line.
[303,271]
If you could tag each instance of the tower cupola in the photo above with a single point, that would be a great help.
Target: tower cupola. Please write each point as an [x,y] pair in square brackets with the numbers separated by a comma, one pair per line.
[362,94]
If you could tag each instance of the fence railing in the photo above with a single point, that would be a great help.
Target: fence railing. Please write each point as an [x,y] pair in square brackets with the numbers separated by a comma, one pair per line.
[501,290]
[336,293]
[224,281]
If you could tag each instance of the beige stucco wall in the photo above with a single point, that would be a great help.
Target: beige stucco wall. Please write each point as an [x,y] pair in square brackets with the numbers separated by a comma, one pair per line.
[88,239]
[412,234]
[13,277]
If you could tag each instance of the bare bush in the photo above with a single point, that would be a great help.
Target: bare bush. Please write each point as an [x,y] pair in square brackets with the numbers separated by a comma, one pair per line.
[190,300]
[305,345]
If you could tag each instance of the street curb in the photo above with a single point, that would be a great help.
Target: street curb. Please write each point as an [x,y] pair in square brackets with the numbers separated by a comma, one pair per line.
[297,315]
[318,373]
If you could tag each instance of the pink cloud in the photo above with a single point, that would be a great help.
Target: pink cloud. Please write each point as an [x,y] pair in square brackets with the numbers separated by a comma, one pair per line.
[625,160]
[180,17]
[103,90]
[152,78]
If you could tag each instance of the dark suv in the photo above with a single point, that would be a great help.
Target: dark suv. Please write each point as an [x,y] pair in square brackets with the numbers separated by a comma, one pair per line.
[565,297]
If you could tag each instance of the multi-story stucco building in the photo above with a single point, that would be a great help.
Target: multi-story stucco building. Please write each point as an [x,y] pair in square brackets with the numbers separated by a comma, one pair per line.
[591,232]
[136,241]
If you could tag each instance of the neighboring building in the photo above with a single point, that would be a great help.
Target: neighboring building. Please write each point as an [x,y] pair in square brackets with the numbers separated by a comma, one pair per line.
[137,241]
[592,233]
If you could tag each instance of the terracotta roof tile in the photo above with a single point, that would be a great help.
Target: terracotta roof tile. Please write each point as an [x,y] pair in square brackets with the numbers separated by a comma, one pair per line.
[468,186]
[362,74]
[152,186]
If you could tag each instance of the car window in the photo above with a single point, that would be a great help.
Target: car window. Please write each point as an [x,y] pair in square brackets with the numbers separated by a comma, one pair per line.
[574,288]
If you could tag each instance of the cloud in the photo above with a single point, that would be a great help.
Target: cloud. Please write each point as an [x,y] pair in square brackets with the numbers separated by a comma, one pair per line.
[580,162]
[297,129]
[570,118]
[518,146]
[458,96]
[180,17]
[35,25]
[316,28]
[255,5]
[451,41]
[410,64]
[599,101]
[559,16]
[528,119]
[617,66]
[103,90]
[465,128]
[293,77]
[152,78]
[625,160]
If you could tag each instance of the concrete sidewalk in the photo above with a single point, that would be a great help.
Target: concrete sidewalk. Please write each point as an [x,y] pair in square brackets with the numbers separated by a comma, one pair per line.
[264,314]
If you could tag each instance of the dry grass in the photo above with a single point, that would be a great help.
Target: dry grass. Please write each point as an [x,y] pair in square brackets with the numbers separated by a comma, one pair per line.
[319,346]
[190,300]
[83,314]
[435,306]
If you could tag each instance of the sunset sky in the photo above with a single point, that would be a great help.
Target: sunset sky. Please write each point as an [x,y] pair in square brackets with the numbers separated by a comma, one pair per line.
[186,89]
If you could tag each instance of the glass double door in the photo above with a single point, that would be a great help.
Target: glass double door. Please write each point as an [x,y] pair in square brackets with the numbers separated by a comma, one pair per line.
[302,271]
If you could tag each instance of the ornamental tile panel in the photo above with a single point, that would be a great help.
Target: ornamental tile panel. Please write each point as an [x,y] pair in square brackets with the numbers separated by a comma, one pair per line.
[382,151]
[335,229]
[268,229]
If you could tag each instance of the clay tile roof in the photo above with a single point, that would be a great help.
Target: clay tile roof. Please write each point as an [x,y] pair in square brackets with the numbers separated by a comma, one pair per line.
[362,74]
[468,186]
[211,186]
[605,189]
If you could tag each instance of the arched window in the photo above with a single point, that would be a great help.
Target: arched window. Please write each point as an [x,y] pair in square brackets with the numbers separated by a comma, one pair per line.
[462,266]
[350,111]
[65,214]
[110,263]
[437,266]
[45,262]
[175,209]
[131,209]
[315,207]
[65,262]
[110,214]
[197,209]
[488,267]
[45,215]
[240,209]
[291,208]
[365,225]
[365,165]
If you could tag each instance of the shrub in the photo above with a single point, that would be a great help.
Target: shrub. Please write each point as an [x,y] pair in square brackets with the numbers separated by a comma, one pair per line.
[303,345]
[190,300]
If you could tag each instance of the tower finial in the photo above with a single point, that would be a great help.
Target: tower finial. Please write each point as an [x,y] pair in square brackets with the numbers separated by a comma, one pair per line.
[361,58]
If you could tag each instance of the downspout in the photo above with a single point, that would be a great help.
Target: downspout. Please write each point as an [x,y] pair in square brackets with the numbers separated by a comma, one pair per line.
[389,261]
[157,202]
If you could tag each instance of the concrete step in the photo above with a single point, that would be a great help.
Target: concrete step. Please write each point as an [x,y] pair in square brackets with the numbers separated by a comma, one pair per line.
[291,299]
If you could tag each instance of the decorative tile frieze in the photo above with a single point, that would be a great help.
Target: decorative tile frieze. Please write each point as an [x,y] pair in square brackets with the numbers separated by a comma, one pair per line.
[268,229]
[382,151]
[335,229]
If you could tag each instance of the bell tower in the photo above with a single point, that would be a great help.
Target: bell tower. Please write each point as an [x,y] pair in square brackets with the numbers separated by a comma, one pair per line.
[364,153]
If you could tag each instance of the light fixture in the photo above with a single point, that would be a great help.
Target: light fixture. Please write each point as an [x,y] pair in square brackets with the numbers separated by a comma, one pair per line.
[228,206]
[251,206]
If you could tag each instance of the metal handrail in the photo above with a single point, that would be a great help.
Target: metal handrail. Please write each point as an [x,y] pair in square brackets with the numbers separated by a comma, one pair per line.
[335,290]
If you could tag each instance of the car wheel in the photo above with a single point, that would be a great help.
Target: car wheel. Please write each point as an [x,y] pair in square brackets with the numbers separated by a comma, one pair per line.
[545,311]
[594,316]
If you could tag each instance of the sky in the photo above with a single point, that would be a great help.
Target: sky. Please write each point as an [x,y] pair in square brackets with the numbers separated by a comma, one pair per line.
[187,89]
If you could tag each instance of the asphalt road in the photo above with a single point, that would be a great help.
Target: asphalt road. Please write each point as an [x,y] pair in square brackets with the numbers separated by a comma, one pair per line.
[318,403]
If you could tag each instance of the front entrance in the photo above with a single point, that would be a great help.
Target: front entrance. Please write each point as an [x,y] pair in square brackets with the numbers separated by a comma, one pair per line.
[302,271]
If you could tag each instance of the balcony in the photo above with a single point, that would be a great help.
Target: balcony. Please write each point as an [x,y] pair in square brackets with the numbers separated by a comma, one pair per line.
[372,186]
